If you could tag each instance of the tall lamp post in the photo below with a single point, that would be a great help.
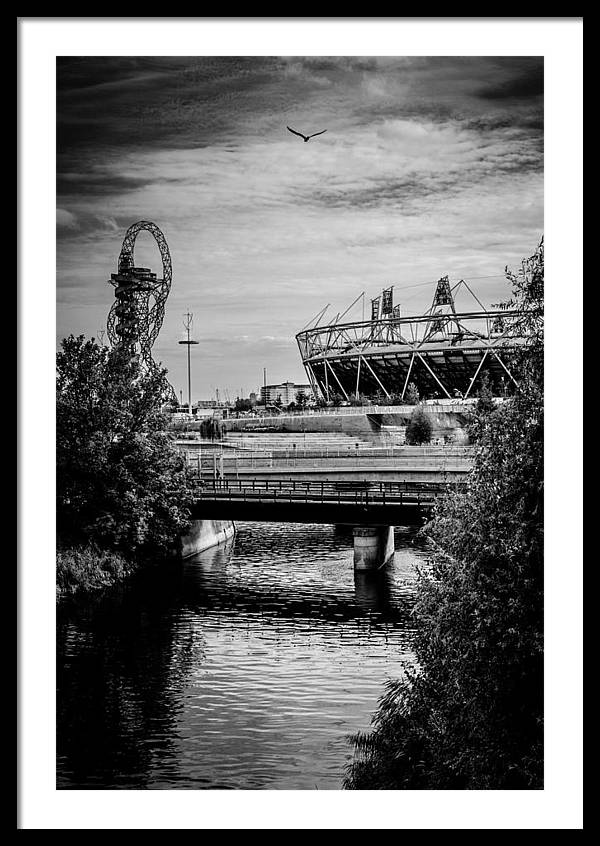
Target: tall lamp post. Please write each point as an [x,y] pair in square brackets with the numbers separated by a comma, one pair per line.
[188,342]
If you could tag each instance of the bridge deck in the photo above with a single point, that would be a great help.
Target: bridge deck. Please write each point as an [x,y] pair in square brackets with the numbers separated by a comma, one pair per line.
[382,503]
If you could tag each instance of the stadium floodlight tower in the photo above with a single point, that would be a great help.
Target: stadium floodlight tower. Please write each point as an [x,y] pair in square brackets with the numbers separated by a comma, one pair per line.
[137,313]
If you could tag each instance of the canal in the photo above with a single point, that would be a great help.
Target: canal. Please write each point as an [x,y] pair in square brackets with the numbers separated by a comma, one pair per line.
[245,668]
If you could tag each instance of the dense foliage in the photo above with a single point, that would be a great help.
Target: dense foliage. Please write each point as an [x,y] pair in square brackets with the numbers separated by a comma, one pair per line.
[88,568]
[121,484]
[486,403]
[412,394]
[485,398]
[243,404]
[419,428]
[470,716]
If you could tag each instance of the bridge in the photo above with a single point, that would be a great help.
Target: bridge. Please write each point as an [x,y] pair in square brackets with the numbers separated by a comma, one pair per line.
[299,501]
[369,485]
[371,508]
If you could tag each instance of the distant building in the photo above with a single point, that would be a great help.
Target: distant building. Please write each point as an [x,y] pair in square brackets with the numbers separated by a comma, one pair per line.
[284,393]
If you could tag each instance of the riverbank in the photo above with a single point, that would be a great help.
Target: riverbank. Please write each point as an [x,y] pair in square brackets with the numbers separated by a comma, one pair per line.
[204,534]
[87,569]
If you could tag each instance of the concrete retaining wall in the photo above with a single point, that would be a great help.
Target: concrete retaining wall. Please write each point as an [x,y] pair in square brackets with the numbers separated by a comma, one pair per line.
[204,534]
[444,421]
[351,424]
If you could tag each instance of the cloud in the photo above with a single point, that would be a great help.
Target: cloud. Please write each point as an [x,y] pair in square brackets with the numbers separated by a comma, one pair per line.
[527,84]
[97,181]
[82,223]
[66,220]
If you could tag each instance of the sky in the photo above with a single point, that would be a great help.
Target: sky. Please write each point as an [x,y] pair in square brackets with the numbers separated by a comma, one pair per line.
[429,167]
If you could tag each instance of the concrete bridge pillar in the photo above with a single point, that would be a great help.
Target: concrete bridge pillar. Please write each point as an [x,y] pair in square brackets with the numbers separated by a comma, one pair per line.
[373,546]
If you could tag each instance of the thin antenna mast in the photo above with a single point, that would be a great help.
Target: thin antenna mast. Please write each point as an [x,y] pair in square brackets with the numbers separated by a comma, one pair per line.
[188,342]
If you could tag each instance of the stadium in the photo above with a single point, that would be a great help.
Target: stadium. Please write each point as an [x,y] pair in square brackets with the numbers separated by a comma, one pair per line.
[443,352]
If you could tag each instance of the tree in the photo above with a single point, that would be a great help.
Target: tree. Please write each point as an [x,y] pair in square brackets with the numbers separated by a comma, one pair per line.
[485,398]
[484,405]
[411,397]
[211,428]
[419,428]
[471,715]
[301,399]
[121,483]
[243,404]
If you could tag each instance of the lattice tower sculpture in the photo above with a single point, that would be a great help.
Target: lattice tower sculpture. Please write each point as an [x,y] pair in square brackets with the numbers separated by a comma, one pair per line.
[138,311]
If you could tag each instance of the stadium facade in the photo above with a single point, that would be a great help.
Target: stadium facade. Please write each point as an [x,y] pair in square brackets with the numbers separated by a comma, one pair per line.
[443,352]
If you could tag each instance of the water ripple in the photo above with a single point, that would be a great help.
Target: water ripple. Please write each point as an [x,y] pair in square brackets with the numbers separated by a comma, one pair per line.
[246,669]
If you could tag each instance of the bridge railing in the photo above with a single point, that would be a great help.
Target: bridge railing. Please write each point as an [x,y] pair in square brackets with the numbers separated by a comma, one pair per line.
[300,450]
[356,498]
[358,493]
[299,445]
[206,460]
[206,467]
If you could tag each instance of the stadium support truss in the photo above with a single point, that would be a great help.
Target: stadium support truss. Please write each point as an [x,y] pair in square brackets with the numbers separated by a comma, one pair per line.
[137,313]
[444,352]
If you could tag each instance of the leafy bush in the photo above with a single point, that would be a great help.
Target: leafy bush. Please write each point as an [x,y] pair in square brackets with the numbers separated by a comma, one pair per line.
[88,568]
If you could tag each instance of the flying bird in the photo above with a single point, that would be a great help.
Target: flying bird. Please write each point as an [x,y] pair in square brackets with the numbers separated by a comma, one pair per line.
[306,137]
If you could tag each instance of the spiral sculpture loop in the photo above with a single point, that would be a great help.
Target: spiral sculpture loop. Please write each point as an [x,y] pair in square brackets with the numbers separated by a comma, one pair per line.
[137,314]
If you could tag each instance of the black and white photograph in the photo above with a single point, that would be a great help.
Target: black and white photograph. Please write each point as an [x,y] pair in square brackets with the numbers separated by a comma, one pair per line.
[298,379]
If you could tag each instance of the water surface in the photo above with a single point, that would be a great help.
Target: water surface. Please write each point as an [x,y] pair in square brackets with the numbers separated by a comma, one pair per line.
[244,669]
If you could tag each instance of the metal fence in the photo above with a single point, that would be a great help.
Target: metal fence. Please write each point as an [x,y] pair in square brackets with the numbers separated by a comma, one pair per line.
[357,493]
[357,454]
[221,463]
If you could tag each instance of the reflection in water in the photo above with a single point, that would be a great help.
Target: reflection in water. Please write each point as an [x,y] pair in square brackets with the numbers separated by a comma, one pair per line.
[245,668]
[372,591]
